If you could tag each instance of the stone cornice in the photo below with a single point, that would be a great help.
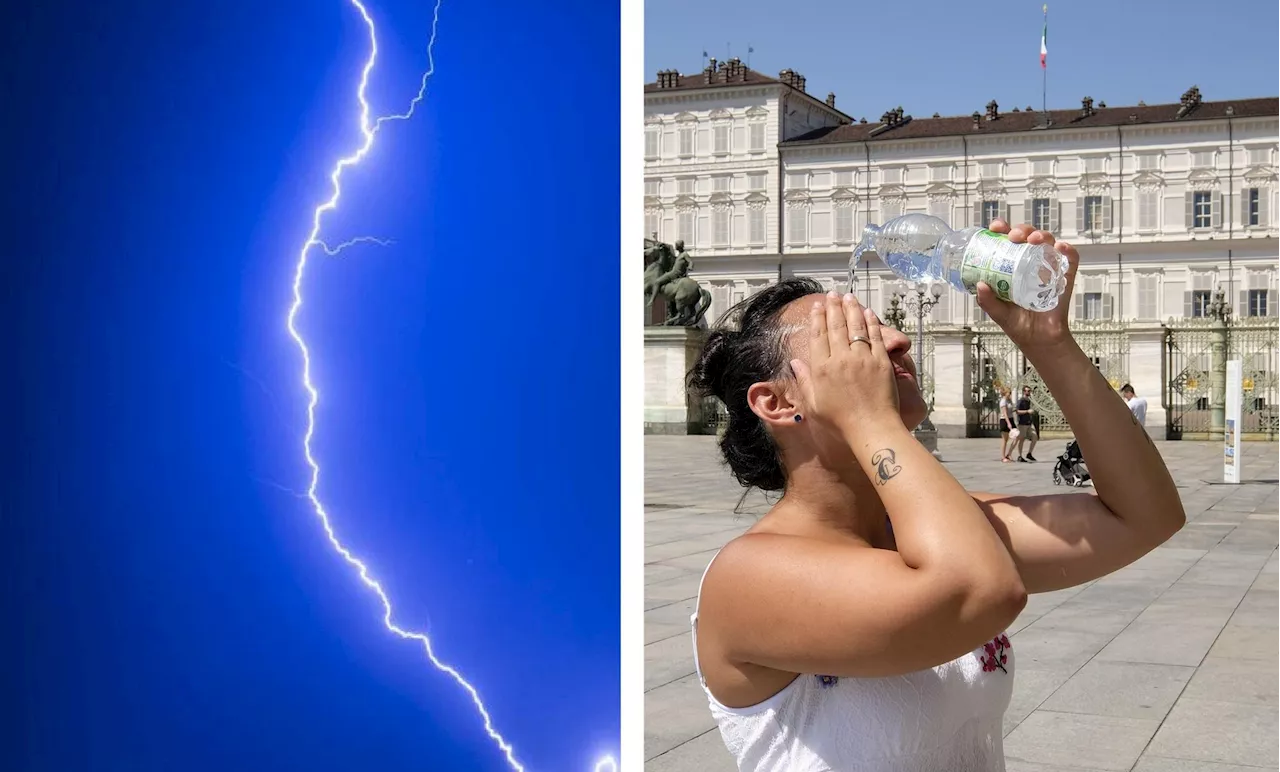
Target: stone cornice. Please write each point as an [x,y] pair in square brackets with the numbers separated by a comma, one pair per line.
[1052,141]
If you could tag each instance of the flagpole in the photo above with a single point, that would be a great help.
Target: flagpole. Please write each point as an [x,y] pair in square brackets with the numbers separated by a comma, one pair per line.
[1044,68]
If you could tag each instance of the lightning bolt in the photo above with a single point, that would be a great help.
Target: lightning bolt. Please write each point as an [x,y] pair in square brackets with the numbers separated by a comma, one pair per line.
[369,130]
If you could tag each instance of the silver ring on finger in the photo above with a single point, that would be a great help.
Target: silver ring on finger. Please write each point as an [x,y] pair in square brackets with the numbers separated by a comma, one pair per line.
[860,339]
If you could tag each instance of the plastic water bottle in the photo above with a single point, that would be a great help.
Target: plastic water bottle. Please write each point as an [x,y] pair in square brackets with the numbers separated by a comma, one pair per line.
[923,248]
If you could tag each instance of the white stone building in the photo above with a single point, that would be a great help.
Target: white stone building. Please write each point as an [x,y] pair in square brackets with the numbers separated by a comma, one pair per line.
[1166,203]
[712,162]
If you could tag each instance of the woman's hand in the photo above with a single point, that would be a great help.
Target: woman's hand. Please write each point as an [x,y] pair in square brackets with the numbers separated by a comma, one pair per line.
[1034,332]
[848,382]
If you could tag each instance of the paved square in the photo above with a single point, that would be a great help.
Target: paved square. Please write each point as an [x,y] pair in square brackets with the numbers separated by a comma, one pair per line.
[1169,664]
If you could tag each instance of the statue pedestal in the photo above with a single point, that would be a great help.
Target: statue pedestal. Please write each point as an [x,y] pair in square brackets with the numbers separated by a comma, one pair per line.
[669,355]
[927,436]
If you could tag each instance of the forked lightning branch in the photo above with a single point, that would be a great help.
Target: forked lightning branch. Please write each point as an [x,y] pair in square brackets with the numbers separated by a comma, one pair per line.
[369,128]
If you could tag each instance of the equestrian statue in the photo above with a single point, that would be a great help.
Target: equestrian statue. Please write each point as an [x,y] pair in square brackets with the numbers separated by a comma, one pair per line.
[666,274]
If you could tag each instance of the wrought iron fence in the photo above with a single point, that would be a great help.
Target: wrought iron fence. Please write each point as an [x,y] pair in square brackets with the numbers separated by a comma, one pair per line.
[1189,365]
[995,361]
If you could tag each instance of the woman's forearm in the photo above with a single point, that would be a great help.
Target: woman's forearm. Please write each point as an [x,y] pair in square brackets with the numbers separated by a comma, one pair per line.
[1129,475]
[937,525]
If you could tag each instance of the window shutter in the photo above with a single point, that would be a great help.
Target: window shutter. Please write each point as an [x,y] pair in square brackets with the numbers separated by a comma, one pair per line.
[1243,309]
[1006,215]
[977,222]
[1264,216]
[1106,305]
[1191,211]
[1106,215]
[1079,215]
[1271,303]
[1055,217]
[1215,218]
[1027,212]
[1078,302]
[1186,304]
[1244,207]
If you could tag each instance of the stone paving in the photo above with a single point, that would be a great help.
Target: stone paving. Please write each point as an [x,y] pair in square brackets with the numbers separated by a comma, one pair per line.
[1169,665]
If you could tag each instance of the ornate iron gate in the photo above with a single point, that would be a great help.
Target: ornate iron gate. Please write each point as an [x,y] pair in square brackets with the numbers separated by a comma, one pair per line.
[995,361]
[1188,369]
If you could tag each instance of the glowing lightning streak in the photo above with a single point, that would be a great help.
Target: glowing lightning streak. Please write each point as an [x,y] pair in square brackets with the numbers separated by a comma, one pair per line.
[313,240]
[333,251]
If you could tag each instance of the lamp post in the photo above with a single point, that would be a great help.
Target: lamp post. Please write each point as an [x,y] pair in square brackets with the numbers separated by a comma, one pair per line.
[919,301]
[1219,310]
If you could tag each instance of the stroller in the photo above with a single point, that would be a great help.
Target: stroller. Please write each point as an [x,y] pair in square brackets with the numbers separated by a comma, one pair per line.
[1070,467]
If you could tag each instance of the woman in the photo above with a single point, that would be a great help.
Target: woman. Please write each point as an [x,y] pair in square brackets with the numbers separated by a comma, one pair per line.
[860,624]
[1006,422]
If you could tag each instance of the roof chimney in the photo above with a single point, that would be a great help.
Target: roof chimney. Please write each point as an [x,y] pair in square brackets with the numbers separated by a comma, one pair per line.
[1086,107]
[709,74]
[831,99]
[993,110]
[977,119]
[1189,102]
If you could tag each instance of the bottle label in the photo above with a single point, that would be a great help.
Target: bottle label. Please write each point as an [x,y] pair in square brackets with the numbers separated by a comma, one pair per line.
[990,257]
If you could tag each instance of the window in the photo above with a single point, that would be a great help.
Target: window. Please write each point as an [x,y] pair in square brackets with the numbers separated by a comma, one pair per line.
[892,176]
[990,211]
[990,170]
[721,137]
[797,180]
[1202,159]
[684,227]
[1148,210]
[1258,302]
[844,179]
[652,187]
[1148,292]
[1149,163]
[755,225]
[652,137]
[844,224]
[1092,214]
[941,209]
[720,184]
[1040,214]
[1095,164]
[755,136]
[1253,202]
[1092,305]
[939,173]
[1042,167]
[1201,209]
[651,218]
[1259,155]
[1200,300]
[889,210]
[686,141]
[720,226]
[797,225]
[684,187]
[755,181]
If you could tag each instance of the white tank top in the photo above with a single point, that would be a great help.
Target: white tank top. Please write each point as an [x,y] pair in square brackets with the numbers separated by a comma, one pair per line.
[944,719]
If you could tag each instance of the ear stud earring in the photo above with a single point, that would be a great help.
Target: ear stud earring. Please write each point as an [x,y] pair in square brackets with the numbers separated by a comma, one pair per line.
[799,418]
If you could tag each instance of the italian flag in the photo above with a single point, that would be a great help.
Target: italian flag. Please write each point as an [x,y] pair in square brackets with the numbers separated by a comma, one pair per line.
[1044,39]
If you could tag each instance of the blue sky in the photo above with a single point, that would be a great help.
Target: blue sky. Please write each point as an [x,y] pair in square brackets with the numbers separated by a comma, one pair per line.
[168,603]
[952,58]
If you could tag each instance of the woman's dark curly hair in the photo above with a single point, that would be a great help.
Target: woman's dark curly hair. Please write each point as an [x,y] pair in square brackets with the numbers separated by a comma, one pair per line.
[748,346]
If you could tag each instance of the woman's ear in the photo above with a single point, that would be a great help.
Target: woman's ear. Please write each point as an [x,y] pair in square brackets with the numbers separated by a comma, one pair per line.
[770,401]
